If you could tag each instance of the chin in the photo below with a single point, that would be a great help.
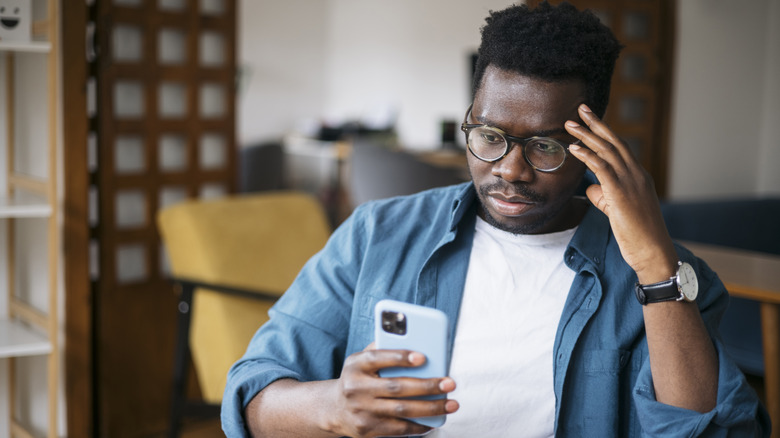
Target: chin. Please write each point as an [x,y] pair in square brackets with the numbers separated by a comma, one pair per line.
[516,225]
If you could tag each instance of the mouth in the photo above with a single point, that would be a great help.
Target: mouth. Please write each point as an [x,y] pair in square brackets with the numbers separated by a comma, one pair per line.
[9,23]
[509,205]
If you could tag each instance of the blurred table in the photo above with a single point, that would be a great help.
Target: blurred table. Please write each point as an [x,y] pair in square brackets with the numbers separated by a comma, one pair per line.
[755,276]
[446,158]
[323,168]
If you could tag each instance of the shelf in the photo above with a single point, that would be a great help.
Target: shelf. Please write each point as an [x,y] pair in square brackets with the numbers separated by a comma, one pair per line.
[25,46]
[16,208]
[17,339]
[32,69]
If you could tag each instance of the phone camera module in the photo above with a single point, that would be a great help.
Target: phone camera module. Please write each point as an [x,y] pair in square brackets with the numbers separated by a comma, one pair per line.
[394,322]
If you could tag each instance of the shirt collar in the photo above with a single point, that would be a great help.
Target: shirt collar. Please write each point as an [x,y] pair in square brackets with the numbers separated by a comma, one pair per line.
[462,204]
[591,239]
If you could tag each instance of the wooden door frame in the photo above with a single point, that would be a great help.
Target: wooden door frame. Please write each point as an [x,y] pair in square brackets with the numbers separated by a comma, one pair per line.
[655,158]
[79,345]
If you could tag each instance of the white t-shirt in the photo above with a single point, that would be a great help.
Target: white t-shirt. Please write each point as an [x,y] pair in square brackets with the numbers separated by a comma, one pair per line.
[502,361]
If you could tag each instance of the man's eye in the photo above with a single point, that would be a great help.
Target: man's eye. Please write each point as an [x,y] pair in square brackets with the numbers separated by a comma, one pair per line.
[546,147]
[491,138]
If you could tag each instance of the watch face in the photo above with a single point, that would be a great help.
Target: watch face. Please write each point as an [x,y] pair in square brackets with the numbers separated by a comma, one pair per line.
[687,281]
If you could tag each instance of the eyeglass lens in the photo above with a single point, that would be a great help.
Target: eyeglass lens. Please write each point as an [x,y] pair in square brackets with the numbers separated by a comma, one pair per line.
[490,145]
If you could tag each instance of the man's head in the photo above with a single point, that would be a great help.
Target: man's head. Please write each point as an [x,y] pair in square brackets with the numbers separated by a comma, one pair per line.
[535,68]
[552,43]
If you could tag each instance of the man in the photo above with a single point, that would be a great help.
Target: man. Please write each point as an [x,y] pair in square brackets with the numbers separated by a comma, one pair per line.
[548,338]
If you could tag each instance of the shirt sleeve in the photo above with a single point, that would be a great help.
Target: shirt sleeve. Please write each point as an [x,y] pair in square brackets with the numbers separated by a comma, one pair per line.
[738,412]
[308,325]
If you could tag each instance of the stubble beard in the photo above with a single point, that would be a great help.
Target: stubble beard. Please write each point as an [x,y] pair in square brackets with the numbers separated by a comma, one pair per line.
[528,228]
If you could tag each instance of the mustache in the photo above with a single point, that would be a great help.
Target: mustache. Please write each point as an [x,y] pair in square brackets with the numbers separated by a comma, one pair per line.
[512,189]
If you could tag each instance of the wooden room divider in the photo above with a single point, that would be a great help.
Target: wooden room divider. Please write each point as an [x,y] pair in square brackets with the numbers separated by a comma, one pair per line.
[640,102]
[150,121]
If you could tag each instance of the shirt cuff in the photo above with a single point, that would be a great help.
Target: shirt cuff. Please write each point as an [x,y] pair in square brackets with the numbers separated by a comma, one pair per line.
[738,411]
[244,384]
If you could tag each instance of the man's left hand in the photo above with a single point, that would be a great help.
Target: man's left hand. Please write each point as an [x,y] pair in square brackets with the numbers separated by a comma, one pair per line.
[627,196]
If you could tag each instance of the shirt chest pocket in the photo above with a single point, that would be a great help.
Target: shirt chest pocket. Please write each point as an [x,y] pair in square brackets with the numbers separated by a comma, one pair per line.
[599,362]
[608,379]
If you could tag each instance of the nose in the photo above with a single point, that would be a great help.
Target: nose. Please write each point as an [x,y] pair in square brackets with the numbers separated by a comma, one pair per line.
[513,167]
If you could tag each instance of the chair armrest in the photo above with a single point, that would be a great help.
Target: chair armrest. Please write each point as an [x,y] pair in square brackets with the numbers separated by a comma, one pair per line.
[242,292]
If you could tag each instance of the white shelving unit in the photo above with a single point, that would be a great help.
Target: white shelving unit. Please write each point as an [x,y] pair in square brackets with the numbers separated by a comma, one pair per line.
[16,208]
[31,329]
[25,47]
[16,340]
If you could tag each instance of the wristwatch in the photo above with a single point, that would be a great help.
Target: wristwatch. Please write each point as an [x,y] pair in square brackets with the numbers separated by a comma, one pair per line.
[684,286]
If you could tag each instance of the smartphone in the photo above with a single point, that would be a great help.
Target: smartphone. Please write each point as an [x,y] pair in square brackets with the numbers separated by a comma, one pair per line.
[406,326]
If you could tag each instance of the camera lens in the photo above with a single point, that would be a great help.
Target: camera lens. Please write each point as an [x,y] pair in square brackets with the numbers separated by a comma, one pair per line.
[394,322]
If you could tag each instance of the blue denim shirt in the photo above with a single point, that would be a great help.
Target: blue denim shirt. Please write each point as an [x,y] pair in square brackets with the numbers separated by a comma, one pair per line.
[416,249]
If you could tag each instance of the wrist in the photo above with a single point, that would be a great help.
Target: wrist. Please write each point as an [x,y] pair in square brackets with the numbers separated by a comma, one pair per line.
[663,272]
[682,286]
[662,268]
[326,400]
[288,406]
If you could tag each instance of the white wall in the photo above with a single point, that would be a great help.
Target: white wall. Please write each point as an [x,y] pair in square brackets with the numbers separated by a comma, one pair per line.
[343,57]
[769,158]
[410,54]
[282,55]
[725,137]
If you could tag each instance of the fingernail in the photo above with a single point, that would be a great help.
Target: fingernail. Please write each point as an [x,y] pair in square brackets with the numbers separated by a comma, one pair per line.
[446,385]
[572,124]
[574,147]
[451,406]
[585,108]
[416,357]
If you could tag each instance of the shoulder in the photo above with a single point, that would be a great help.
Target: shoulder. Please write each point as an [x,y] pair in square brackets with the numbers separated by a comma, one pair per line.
[427,207]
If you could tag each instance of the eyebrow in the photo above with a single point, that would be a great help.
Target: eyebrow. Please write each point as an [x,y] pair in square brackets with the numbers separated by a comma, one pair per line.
[539,133]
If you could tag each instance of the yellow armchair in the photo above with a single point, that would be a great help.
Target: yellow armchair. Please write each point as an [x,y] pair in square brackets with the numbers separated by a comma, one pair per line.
[240,253]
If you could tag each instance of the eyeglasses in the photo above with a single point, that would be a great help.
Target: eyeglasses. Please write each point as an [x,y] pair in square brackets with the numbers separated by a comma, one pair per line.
[491,144]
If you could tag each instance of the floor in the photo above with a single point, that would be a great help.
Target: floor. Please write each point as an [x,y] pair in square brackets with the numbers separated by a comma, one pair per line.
[203,429]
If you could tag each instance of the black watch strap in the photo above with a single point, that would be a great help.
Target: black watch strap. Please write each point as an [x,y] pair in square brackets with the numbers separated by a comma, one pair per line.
[657,292]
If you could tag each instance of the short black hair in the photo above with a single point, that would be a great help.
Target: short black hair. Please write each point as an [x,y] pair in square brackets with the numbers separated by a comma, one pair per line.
[552,43]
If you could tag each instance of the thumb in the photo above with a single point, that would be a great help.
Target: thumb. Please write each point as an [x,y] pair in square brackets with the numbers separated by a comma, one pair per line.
[596,195]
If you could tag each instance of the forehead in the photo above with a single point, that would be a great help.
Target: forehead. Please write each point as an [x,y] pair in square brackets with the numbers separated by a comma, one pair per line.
[522,104]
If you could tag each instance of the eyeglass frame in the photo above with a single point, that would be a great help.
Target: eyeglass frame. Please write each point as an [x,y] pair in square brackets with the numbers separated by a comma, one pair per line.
[510,140]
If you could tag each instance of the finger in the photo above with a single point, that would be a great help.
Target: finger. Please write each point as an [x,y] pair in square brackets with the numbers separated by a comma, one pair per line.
[601,129]
[604,171]
[373,360]
[405,408]
[413,387]
[371,346]
[400,427]
[597,126]
[596,196]
[601,147]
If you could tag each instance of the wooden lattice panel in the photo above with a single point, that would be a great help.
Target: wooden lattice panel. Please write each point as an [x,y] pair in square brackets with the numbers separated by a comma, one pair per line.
[641,86]
[161,131]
